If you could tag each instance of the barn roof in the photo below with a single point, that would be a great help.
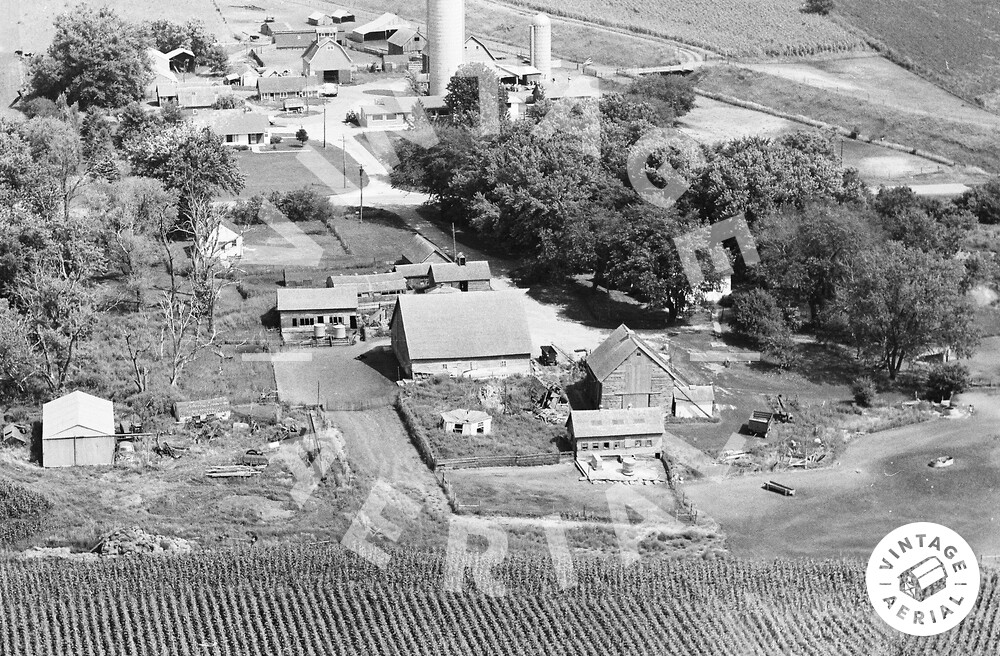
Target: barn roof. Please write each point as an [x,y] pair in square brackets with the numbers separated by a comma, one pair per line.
[177,52]
[63,417]
[341,14]
[320,298]
[401,37]
[452,272]
[613,351]
[479,42]
[232,121]
[384,23]
[327,54]
[467,325]
[463,416]
[201,407]
[615,423]
[374,283]
[413,270]
[419,248]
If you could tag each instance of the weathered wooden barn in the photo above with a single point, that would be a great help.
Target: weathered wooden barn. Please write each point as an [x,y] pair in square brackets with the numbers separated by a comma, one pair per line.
[202,410]
[478,335]
[78,429]
[621,432]
[420,249]
[301,310]
[406,41]
[374,290]
[417,276]
[463,276]
[625,372]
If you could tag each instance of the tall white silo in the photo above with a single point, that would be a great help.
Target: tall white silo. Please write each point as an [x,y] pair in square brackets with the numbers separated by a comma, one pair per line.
[541,46]
[445,42]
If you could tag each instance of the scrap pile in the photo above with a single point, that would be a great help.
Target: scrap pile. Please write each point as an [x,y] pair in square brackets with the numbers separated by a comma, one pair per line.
[124,541]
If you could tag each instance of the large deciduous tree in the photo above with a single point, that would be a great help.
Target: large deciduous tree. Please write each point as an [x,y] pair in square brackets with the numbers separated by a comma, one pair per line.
[464,92]
[96,59]
[898,302]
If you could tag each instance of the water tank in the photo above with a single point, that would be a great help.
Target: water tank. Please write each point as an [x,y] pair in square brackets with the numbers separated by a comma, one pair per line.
[319,330]
[628,465]
[445,42]
[339,331]
[541,46]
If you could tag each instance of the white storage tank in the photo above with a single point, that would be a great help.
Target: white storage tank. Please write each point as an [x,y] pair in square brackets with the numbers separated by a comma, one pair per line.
[445,42]
[319,330]
[541,46]
[339,331]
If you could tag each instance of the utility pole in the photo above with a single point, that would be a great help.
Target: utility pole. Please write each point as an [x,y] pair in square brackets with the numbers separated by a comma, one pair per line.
[343,155]
[454,242]
[324,127]
[361,185]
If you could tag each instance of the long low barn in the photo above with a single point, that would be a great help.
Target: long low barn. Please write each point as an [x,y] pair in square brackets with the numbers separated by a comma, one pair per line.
[299,310]
[622,432]
[374,290]
[478,334]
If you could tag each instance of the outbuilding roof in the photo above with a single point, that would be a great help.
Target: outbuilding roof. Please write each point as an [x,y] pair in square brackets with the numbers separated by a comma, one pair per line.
[402,36]
[452,272]
[420,270]
[373,283]
[586,424]
[77,414]
[620,344]
[385,23]
[285,83]
[321,298]
[467,325]
[463,416]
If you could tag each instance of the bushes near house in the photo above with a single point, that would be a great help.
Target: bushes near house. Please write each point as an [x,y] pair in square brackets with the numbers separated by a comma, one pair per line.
[865,391]
[947,379]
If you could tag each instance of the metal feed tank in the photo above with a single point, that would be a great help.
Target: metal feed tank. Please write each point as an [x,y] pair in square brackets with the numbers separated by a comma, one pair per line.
[541,46]
[445,42]
[319,330]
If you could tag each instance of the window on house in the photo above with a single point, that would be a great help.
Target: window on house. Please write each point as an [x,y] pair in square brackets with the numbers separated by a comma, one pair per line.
[583,446]
[649,442]
[445,366]
[503,363]
[295,323]
[457,428]
[618,445]
[230,138]
[607,445]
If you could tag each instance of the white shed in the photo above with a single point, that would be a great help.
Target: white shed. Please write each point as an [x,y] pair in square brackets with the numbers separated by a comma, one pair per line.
[78,429]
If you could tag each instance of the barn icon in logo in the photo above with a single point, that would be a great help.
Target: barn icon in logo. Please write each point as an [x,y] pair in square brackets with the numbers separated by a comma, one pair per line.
[923,579]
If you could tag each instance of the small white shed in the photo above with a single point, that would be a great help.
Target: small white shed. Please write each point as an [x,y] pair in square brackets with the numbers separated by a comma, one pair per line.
[467,422]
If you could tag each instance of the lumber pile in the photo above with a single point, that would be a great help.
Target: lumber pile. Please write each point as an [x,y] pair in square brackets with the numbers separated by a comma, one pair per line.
[233,471]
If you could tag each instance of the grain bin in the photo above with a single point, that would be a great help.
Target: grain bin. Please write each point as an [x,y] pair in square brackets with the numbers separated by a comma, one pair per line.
[445,42]
[339,331]
[319,330]
[541,46]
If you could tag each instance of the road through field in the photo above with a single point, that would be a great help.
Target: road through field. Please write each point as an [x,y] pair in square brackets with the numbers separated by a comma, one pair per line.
[881,482]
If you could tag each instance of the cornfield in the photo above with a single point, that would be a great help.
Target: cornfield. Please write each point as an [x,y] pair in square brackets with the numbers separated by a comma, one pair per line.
[324,600]
[735,28]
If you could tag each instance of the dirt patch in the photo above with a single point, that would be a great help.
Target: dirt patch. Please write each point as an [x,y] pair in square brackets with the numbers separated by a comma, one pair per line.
[266,510]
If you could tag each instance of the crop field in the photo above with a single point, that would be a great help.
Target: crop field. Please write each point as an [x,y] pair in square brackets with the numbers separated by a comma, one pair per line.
[327,601]
[957,41]
[734,28]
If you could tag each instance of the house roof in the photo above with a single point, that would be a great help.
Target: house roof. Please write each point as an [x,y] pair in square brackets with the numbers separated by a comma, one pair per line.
[178,51]
[519,70]
[327,54]
[384,23]
[463,416]
[232,121]
[201,407]
[452,272]
[419,248]
[413,270]
[284,83]
[228,231]
[374,283]
[620,344]
[469,325]
[586,424]
[402,36]
[317,298]
[161,64]
[67,415]
[317,16]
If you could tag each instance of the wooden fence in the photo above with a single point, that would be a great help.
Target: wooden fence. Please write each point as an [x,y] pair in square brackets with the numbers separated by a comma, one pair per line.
[356,405]
[529,460]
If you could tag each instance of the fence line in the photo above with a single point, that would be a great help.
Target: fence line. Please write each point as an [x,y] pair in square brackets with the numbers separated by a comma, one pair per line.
[527,460]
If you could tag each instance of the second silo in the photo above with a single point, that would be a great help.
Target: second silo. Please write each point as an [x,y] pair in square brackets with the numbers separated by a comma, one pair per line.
[541,46]
[445,42]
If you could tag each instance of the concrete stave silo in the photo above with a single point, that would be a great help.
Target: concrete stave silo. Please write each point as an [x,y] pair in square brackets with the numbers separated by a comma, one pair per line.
[445,42]
[541,46]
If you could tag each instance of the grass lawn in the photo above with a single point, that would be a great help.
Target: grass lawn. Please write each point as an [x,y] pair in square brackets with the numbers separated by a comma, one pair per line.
[515,432]
[963,142]
[276,171]
[380,237]
[335,155]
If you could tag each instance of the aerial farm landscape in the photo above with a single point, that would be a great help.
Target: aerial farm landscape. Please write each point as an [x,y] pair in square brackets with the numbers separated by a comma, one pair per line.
[499,327]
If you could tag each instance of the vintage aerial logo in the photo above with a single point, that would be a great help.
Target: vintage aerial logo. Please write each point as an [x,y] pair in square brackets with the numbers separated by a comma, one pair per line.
[923,579]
